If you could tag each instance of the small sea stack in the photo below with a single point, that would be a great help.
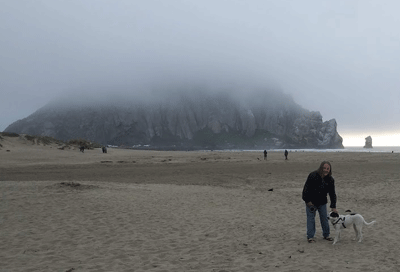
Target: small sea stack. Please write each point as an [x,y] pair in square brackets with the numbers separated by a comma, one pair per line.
[368,142]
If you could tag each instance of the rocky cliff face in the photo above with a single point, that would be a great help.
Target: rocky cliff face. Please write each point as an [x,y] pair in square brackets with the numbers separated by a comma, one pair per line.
[214,120]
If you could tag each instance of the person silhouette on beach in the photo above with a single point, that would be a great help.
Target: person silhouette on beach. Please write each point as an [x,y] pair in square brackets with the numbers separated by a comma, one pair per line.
[318,185]
[265,154]
[286,154]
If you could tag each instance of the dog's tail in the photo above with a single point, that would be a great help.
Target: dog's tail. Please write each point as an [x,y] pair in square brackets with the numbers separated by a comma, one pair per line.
[369,224]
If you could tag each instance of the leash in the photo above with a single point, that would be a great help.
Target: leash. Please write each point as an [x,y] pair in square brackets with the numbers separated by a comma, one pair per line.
[343,219]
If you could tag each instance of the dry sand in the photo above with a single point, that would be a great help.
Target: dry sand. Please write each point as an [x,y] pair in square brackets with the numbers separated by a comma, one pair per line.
[187,211]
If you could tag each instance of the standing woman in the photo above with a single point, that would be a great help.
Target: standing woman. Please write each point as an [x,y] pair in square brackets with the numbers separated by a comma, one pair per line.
[319,184]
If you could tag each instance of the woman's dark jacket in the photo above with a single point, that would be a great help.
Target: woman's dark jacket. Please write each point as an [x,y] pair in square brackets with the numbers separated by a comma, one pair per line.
[316,189]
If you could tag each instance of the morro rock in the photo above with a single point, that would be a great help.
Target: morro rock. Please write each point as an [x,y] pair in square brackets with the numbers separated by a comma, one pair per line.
[368,142]
[186,120]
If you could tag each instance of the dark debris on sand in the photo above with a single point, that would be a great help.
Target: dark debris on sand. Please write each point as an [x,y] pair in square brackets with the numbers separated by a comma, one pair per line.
[74,186]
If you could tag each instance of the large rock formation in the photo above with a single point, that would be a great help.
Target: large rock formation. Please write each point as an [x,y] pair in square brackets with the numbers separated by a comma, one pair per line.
[368,142]
[310,131]
[182,121]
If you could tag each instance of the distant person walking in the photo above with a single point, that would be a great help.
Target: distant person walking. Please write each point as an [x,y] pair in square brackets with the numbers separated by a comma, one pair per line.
[286,154]
[265,154]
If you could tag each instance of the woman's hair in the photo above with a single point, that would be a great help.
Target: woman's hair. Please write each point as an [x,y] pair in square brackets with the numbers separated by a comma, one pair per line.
[321,168]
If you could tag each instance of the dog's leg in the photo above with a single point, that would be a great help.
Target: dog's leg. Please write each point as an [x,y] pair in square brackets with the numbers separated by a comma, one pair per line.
[355,231]
[337,235]
[359,228]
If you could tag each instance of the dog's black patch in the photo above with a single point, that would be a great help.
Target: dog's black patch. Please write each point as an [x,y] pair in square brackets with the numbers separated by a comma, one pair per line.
[333,214]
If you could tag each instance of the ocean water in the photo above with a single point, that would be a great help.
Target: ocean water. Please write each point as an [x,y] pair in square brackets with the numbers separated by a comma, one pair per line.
[383,149]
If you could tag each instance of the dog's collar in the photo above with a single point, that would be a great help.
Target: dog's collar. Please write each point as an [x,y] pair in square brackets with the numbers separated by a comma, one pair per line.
[340,219]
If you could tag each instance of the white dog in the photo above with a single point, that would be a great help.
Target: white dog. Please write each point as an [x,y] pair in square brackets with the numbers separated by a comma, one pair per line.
[340,222]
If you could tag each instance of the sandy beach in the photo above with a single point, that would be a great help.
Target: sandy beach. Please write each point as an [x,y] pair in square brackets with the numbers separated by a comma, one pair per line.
[128,210]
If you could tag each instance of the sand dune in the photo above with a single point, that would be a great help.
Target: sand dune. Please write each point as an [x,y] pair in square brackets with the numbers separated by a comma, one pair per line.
[187,211]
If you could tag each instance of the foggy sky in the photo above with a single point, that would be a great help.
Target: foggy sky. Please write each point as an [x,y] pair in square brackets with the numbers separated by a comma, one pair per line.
[340,57]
